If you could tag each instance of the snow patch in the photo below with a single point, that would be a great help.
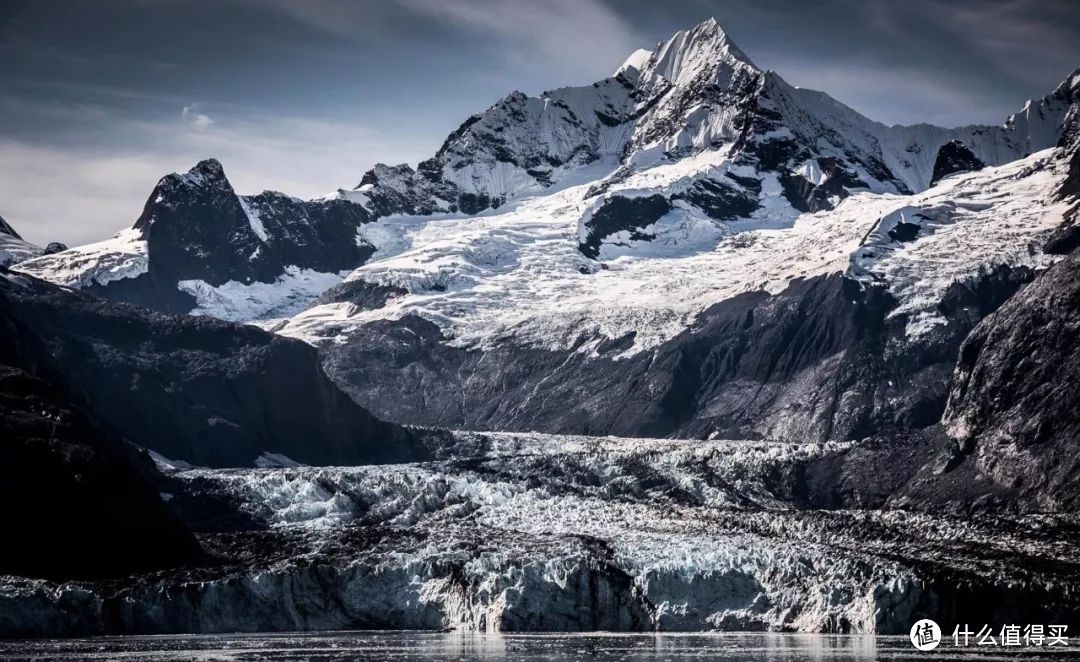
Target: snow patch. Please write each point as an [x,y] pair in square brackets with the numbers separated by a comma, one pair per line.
[253,220]
[260,302]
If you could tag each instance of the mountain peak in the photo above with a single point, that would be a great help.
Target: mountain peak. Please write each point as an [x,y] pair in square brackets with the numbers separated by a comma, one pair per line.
[1071,83]
[7,229]
[207,171]
[13,248]
[688,52]
[637,61]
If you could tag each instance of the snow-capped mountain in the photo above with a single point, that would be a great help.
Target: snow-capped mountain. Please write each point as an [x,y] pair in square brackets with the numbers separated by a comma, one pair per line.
[697,91]
[856,337]
[756,145]
[195,233]
[13,248]
[567,242]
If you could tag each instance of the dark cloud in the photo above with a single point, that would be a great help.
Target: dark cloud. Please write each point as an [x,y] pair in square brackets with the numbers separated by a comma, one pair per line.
[305,95]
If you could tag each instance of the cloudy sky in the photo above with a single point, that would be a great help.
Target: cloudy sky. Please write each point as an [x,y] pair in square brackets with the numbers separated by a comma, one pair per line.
[102,97]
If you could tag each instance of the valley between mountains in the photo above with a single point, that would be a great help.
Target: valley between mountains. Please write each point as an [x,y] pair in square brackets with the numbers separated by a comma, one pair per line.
[689,348]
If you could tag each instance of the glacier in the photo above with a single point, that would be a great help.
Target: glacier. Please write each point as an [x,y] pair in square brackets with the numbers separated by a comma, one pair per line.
[476,277]
[532,532]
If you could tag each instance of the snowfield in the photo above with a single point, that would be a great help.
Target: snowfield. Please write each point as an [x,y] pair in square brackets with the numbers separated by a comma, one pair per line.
[516,274]
[969,224]
[122,256]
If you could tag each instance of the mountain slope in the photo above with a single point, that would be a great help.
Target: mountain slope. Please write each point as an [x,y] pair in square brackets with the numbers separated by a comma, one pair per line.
[13,248]
[199,390]
[773,151]
[87,503]
[564,260]
[844,323]
[196,233]
[1013,406]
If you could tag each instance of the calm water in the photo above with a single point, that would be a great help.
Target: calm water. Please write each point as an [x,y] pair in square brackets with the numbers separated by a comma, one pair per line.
[425,646]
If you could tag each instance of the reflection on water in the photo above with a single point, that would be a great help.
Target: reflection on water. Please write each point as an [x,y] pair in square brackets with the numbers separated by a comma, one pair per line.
[427,646]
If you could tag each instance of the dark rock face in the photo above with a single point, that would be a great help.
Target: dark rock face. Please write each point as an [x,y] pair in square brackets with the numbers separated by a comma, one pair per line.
[916,470]
[953,157]
[365,295]
[723,201]
[1067,236]
[82,503]
[818,361]
[83,507]
[804,195]
[869,474]
[197,228]
[54,247]
[148,290]
[1014,403]
[620,214]
[197,389]
[319,235]
[400,189]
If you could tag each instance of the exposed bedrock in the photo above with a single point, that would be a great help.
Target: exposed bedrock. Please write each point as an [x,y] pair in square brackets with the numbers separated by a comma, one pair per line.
[80,503]
[1067,237]
[953,157]
[360,293]
[195,230]
[1015,406]
[621,220]
[821,360]
[197,389]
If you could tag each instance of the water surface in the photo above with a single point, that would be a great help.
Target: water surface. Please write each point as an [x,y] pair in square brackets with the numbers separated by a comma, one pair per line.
[429,646]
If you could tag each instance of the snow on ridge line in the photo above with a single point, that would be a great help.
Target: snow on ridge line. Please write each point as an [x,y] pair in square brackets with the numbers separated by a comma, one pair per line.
[570,128]
[14,250]
[125,255]
[637,60]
